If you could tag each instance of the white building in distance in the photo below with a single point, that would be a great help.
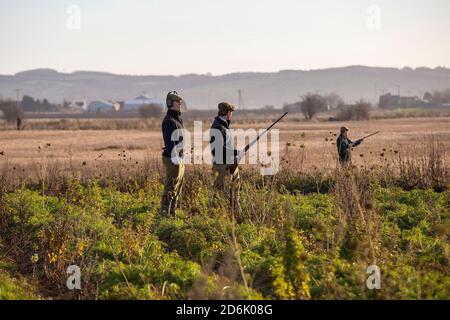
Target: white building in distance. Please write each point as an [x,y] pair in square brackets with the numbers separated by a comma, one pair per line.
[103,106]
[140,101]
[79,105]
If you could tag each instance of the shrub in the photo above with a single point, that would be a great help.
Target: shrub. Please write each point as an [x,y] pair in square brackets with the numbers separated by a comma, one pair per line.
[312,104]
[291,277]
[333,100]
[10,111]
[358,111]
[12,288]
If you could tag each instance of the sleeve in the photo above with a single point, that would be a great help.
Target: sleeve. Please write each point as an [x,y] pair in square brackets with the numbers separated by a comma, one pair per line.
[356,143]
[168,127]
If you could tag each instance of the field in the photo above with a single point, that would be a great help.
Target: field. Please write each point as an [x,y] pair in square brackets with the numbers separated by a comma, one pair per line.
[314,141]
[91,198]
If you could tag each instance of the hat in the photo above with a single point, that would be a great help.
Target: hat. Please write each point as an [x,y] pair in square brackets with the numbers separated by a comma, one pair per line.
[225,107]
[343,129]
[172,96]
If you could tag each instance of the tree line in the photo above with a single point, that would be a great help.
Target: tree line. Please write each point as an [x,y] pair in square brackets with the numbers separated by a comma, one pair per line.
[30,104]
[438,97]
[313,103]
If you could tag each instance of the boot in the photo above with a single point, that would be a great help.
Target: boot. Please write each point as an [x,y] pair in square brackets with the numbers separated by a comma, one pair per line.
[166,204]
[173,207]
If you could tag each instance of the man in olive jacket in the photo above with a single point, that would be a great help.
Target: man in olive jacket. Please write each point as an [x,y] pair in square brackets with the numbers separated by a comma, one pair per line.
[224,155]
[172,156]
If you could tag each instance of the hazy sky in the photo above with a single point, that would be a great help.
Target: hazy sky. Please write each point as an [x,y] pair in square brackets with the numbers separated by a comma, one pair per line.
[221,36]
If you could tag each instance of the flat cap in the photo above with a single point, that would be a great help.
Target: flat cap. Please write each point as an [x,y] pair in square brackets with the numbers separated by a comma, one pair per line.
[226,107]
[343,129]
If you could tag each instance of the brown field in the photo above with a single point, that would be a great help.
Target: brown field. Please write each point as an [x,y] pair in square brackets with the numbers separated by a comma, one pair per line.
[304,144]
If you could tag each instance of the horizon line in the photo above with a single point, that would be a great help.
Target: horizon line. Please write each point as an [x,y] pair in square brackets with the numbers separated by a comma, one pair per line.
[224,74]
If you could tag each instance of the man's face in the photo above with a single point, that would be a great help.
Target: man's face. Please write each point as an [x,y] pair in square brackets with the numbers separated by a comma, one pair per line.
[176,105]
[229,115]
[345,134]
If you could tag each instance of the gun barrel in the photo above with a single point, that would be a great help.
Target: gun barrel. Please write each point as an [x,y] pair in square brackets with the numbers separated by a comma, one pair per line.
[247,147]
[370,135]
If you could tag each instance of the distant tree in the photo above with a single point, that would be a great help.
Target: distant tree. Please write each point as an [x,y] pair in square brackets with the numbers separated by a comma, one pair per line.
[333,100]
[66,104]
[312,104]
[358,111]
[46,106]
[428,97]
[361,110]
[28,103]
[446,96]
[441,96]
[269,108]
[436,97]
[10,111]
[38,105]
[150,111]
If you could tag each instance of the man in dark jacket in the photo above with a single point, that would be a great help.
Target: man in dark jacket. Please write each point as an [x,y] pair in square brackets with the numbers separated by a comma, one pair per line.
[344,146]
[224,155]
[172,156]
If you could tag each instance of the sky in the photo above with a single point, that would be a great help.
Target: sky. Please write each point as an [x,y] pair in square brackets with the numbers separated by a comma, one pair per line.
[177,37]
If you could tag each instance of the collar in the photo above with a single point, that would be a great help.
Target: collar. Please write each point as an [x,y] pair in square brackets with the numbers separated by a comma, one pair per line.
[173,113]
[222,119]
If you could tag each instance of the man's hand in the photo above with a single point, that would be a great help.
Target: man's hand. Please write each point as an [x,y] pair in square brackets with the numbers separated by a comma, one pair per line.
[357,143]
[176,160]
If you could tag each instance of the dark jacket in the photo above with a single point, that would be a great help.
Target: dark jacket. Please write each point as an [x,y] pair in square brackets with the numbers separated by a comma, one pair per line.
[225,143]
[344,148]
[172,121]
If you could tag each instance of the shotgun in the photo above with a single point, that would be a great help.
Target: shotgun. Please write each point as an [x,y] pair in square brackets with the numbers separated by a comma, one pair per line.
[370,135]
[232,168]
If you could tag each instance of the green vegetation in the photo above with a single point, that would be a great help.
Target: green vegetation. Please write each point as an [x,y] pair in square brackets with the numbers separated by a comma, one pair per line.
[14,287]
[289,245]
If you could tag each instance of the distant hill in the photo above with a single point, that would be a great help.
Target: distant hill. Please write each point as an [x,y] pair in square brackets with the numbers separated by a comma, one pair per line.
[205,91]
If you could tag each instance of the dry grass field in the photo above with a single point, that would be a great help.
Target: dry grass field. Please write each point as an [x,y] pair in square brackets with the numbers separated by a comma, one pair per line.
[305,144]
